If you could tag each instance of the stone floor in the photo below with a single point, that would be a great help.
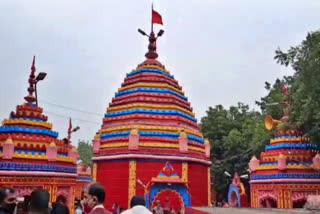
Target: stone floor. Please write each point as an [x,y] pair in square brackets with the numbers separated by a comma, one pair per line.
[219,210]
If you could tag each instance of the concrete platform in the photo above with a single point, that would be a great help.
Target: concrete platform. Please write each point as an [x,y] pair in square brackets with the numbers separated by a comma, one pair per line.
[219,210]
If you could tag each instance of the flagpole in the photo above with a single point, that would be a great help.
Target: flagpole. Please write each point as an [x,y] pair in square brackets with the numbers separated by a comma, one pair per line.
[151,17]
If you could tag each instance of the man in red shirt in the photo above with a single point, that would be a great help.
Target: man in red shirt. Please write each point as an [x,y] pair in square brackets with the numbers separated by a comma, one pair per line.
[94,196]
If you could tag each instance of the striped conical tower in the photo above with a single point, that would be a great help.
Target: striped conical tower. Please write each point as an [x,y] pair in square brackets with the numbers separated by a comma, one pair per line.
[149,129]
[32,156]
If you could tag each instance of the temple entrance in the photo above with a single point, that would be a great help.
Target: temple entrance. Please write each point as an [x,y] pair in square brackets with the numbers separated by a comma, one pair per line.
[169,200]
[234,200]
[269,203]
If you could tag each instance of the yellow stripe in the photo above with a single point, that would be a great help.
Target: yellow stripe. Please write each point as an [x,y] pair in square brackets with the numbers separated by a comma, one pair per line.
[114,145]
[293,139]
[29,143]
[153,67]
[30,156]
[155,145]
[151,85]
[196,149]
[159,145]
[64,159]
[290,166]
[148,106]
[150,128]
[27,122]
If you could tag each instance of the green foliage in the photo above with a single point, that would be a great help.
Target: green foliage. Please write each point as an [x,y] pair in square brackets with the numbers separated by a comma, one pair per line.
[85,152]
[270,104]
[305,87]
[235,134]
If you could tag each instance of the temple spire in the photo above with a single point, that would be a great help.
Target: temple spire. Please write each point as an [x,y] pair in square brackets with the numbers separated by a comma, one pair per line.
[30,97]
[152,47]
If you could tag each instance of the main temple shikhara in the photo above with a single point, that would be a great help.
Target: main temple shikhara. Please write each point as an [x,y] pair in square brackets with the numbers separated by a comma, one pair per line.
[150,143]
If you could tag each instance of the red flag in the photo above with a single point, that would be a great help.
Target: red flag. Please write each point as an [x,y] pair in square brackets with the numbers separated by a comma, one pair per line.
[156,18]
[70,126]
[285,90]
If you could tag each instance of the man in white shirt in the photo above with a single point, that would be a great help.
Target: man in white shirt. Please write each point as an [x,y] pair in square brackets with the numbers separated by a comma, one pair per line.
[137,205]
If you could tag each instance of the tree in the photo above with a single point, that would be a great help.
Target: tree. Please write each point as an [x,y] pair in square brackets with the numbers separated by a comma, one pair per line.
[270,104]
[305,87]
[85,152]
[235,134]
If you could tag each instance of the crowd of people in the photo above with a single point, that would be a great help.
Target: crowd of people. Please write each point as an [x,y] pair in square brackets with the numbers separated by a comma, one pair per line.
[92,201]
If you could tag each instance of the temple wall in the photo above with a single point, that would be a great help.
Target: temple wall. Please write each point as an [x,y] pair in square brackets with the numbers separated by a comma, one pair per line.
[198,184]
[113,175]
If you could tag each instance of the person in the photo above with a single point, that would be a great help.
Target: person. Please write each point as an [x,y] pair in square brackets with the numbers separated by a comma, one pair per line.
[137,205]
[78,207]
[167,206]
[121,209]
[158,209]
[39,202]
[60,206]
[8,201]
[94,196]
[115,208]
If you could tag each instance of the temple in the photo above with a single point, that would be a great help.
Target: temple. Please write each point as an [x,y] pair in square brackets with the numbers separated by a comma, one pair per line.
[32,156]
[288,171]
[150,143]
[237,196]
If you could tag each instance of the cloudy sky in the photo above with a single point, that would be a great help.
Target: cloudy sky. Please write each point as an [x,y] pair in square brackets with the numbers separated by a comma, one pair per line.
[220,51]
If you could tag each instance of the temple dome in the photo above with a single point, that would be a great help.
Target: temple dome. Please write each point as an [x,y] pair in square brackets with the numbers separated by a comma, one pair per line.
[151,102]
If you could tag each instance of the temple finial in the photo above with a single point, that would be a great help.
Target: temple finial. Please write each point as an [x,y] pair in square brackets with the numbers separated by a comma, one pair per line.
[30,98]
[152,47]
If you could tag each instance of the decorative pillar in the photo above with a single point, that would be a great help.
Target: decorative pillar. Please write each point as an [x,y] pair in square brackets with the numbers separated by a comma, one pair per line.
[280,198]
[287,199]
[254,197]
[253,164]
[94,172]
[54,193]
[282,162]
[134,140]
[183,142]
[8,148]
[96,144]
[207,148]
[73,153]
[132,180]
[316,162]
[184,176]
[209,187]
[51,152]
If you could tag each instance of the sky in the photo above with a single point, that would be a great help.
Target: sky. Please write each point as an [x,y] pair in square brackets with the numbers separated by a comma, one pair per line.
[221,52]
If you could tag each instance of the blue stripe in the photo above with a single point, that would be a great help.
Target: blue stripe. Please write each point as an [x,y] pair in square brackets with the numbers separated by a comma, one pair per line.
[152,112]
[292,146]
[195,138]
[152,91]
[167,135]
[114,135]
[26,151]
[31,130]
[9,166]
[286,176]
[149,70]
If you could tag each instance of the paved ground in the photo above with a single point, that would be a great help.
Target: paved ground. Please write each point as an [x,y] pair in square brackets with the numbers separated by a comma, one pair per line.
[219,210]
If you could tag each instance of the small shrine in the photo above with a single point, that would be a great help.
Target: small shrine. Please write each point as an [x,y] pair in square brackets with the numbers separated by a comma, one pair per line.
[288,171]
[83,179]
[31,155]
[237,196]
